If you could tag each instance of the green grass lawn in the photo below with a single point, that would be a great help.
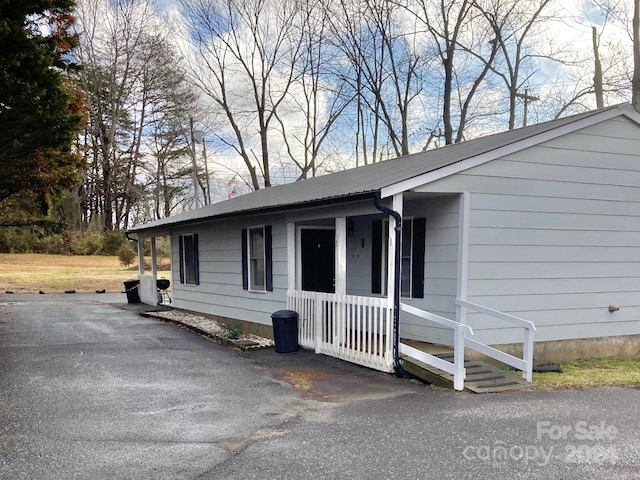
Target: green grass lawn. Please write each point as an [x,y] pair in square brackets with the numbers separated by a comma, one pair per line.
[596,372]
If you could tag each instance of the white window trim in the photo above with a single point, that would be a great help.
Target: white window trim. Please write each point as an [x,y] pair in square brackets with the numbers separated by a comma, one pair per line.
[264,260]
[184,259]
[384,259]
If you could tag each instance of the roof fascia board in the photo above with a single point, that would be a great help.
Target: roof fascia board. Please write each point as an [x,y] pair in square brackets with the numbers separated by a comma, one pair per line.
[141,230]
[631,114]
[470,162]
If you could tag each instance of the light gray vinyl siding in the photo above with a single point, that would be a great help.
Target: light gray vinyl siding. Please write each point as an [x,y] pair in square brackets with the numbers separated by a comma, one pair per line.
[555,235]
[441,263]
[359,251]
[220,260]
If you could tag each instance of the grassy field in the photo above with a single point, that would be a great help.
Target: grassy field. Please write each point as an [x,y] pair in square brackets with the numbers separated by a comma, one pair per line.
[30,273]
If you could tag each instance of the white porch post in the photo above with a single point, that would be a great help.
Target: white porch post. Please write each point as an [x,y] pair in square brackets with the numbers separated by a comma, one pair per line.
[341,274]
[141,255]
[341,256]
[463,255]
[291,256]
[154,260]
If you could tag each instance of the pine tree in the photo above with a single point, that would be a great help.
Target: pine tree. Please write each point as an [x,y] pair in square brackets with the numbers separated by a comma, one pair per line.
[41,111]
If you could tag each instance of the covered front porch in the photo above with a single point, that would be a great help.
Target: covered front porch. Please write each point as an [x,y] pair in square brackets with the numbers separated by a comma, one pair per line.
[348,315]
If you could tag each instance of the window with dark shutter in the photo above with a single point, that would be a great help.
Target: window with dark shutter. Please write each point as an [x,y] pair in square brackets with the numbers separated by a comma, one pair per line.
[376,257]
[189,259]
[257,260]
[268,258]
[411,259]
[417,257]
[245,260]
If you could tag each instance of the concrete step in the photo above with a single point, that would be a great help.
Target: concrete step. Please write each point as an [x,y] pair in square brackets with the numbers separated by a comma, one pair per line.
[481,377]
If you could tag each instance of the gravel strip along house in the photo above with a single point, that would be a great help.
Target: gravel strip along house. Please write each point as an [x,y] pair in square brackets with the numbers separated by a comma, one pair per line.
[534,231]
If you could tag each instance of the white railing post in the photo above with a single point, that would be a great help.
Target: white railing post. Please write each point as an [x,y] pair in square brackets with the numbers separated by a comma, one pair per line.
[528,354]
[318,321]
[458,358]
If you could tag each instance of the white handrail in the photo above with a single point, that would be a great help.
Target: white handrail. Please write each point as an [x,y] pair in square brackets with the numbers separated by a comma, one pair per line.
[460,331]
[445,322]
[526,362]
[499,315]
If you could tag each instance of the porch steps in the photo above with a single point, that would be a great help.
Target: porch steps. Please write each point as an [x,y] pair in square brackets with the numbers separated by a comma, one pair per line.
[481,376]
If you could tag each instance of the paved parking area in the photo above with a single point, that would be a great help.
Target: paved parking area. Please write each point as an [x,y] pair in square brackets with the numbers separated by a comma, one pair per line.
[91,389]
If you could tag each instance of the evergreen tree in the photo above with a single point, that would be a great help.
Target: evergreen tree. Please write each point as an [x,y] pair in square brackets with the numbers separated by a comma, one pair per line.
[41,111]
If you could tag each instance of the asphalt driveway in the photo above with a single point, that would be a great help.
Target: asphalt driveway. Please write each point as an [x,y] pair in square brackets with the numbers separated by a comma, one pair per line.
[91,389]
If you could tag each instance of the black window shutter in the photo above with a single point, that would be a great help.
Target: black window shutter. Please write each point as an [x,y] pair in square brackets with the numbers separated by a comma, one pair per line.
[181,255]
[196,262]
[268,258]
[245,266]
[376,257]
[417,267]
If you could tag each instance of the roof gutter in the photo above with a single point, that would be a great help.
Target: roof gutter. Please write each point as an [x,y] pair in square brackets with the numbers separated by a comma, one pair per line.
[260,210]
[397,367]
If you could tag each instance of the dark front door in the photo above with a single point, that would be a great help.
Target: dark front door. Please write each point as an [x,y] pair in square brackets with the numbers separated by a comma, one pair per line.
[318,260]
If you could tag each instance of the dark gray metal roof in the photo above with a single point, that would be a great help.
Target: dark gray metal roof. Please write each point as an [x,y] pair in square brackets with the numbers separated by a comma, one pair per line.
[366,179]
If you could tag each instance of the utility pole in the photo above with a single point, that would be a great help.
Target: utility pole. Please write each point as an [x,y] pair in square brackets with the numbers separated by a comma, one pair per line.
[198,136]
[195,165]
[527,98]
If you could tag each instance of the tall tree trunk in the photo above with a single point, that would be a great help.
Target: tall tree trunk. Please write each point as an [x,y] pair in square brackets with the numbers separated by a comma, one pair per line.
[597,77]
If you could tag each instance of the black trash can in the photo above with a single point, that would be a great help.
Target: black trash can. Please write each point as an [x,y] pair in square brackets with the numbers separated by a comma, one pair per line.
[131,287]
[285,331]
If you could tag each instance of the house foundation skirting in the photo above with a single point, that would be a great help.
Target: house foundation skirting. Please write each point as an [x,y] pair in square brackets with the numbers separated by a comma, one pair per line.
[574,349]
[552,351]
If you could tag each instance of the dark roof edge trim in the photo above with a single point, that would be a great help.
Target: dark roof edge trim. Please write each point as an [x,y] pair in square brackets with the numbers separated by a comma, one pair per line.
[254,211]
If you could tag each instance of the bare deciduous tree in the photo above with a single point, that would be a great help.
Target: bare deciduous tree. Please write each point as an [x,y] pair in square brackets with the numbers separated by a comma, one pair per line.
[319,96]
[113,37]
[384,73]
[460,40]
[248,57]
[134,88]
[513,23]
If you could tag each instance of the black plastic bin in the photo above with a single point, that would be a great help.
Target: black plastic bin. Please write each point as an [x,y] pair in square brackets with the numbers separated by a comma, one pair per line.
[131,287]
[285,331]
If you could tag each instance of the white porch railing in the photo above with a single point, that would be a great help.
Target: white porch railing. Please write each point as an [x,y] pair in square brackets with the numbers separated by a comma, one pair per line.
[526,363]
[459,336]
[353,328]
[359,330]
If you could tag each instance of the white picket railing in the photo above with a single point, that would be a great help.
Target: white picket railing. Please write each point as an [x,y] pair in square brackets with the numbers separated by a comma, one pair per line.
[349,327]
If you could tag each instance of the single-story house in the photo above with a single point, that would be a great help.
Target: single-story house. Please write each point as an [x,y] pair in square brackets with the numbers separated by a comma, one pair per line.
[535,229]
